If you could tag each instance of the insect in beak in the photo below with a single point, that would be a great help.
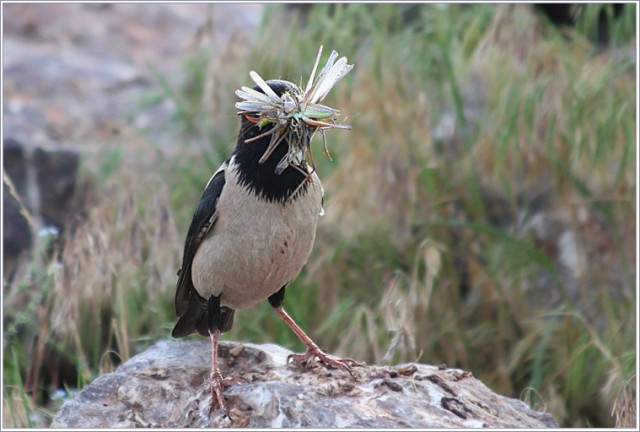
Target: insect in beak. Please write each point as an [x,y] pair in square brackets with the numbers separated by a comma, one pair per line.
[295,116]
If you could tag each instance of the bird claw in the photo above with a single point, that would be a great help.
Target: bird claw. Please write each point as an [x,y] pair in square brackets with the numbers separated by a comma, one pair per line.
[218,384]
[327,359]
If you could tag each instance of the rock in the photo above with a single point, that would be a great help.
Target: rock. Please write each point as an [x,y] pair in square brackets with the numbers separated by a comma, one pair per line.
[167,387]
[56,173]
[566,15]
[15,164]
[85,83]
[16,235]
[45,181]
[40,195]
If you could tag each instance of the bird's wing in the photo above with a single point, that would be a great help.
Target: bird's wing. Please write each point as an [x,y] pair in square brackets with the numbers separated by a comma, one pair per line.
[202,222]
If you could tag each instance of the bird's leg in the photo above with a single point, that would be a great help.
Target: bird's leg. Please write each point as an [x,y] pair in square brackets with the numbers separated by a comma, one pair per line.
[218,383]
[313,351]
[216,377]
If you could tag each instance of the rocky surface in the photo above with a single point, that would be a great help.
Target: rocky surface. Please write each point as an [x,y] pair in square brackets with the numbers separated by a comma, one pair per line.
[83,82]
[167,387]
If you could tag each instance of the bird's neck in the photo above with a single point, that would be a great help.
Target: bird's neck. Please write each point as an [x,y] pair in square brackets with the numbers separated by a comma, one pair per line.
[261,178]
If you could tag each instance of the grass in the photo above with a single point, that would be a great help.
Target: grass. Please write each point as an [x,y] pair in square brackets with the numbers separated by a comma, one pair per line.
[481,212]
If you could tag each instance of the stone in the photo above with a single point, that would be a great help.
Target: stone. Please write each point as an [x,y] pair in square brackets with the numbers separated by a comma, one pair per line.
[44,181]
[14,164]
[41,195]
[167,386]
[85,83]
[56,175]
[16,234]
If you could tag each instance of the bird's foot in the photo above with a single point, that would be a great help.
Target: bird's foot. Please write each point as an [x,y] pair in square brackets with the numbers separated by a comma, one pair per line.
[327,359]
[218,384]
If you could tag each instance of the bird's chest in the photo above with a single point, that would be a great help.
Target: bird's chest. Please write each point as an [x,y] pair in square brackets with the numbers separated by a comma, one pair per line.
[256,246]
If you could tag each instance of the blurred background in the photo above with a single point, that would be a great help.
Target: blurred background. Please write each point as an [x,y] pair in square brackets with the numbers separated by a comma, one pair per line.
[481,213]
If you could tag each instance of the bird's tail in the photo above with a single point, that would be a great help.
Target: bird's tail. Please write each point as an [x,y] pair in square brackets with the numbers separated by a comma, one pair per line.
[196,319]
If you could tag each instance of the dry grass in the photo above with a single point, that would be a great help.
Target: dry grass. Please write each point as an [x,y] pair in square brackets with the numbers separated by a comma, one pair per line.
[107,295]
[624,407]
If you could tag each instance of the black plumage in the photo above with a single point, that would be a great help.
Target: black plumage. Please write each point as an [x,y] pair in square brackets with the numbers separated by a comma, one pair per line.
[189,305]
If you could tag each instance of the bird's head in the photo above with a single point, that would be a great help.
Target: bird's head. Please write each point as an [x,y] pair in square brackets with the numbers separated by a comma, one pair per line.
[278,126]
[282,111]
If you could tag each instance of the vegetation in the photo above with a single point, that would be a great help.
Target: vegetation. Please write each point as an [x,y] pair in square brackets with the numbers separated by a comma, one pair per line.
[481,213]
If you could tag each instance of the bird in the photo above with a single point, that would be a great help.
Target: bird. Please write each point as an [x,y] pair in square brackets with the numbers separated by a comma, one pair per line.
[251,234]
